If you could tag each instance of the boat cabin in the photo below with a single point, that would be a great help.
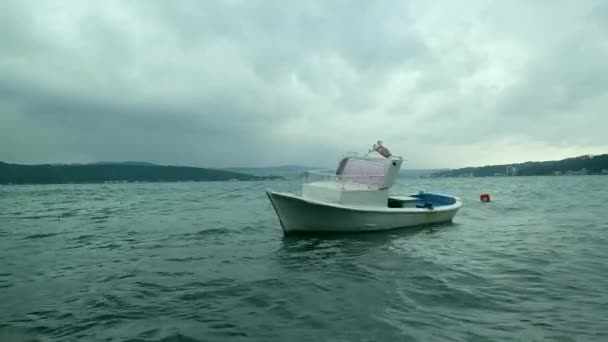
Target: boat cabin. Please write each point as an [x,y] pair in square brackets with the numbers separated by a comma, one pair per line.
[362,181]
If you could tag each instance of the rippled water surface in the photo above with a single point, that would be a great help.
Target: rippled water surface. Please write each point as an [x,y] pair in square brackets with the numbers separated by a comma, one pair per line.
[208,262]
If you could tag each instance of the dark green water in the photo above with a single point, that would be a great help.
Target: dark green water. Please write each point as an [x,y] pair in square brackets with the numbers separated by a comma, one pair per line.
[208,262]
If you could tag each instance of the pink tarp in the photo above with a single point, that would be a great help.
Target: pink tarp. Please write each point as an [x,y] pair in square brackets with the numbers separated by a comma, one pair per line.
[362,171]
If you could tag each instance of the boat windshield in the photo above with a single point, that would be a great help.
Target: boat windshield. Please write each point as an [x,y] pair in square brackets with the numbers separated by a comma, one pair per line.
[368,171]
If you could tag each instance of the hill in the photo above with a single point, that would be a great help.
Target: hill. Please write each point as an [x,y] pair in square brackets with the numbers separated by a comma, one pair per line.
[124,163]
[286,171]
[295,171]
[417,173]
[114,172]
[582,165]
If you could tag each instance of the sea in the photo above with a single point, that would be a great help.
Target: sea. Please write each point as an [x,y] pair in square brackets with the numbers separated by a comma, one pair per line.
[207,261]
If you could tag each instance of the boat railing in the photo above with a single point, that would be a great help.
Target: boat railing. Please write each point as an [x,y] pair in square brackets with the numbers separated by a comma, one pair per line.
[370,182]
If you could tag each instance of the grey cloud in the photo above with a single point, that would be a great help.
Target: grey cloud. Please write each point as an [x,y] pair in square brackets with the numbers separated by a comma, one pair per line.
[272,82]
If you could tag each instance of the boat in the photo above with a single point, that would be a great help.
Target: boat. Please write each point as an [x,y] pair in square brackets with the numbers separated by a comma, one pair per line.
[355,197]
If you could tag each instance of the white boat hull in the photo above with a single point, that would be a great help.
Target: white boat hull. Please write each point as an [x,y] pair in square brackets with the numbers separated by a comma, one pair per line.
[299,215]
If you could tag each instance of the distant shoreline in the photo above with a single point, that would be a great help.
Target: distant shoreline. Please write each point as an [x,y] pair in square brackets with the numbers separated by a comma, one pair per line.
[577,166]
[116,173]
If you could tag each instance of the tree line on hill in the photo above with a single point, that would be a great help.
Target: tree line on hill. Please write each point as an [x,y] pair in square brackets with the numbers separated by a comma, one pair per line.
[115,172]
[583,165]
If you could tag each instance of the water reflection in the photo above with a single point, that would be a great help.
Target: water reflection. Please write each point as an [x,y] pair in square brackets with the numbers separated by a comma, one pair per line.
[309,249]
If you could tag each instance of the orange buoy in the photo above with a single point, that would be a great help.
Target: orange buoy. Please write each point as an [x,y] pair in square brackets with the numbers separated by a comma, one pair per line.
[484,197]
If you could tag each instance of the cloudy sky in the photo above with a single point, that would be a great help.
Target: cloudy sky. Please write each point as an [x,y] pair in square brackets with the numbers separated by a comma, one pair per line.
[256,83]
